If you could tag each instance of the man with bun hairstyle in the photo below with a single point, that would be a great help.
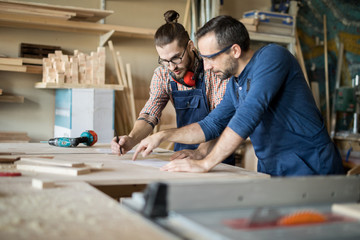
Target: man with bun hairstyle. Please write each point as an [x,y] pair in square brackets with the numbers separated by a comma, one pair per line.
[181,79]
[266,99]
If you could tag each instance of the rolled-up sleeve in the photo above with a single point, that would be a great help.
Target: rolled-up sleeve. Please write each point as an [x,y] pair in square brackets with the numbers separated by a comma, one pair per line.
[214,124]
[158,99]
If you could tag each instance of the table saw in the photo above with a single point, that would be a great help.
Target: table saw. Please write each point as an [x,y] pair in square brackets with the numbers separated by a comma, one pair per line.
[319,207]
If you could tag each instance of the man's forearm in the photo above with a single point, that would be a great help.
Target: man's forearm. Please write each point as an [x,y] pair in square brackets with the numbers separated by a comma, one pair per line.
[190,134]
[225,146]
[140,131]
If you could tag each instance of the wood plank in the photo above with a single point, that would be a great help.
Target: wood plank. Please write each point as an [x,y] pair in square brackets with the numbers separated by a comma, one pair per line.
[347,209]
[36,12]
[71,171]
[131,93]
[19,21]
[33,61]
[77,85]
[53,162]
[8,159]
[1,91]
[11,61]
[11,99]
[34,69]
[327,84]
[116,64]
[84,14]
[42,183]
[12,68]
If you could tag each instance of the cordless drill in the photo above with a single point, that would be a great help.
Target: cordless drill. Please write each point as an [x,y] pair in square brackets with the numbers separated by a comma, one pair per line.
[88,138]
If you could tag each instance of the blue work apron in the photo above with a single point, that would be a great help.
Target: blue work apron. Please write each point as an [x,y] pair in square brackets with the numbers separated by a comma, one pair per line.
[191,106]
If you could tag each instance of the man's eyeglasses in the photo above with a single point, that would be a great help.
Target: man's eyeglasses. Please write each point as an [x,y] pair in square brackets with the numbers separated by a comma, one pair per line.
[174,60]
[217,53]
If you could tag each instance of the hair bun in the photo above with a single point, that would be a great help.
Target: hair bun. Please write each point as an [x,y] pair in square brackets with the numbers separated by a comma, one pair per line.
[171,16]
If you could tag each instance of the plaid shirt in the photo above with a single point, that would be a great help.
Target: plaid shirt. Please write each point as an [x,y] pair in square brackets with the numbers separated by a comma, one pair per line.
[161,93]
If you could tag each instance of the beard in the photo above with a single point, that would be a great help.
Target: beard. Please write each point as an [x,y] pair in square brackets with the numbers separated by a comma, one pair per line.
[229,71]
[183,71]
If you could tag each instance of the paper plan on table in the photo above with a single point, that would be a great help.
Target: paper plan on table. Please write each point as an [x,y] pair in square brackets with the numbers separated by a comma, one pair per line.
[157,163]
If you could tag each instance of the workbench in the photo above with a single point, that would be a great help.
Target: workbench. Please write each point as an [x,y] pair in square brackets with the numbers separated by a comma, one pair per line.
[75,208]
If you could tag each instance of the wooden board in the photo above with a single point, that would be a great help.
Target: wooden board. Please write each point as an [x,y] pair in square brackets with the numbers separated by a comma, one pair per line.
[40,168]
[34,22]
[65,12]
[52,162]
[11,99]
[117,170]
[71,210]
[12,68]
[347,209]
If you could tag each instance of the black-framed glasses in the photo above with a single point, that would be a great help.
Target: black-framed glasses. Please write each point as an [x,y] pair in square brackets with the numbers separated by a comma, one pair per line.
[217,53]
[174,60]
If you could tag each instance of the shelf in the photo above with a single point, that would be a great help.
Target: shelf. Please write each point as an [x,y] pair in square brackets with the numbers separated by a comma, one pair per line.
[44,23]
[21,68]
[11,99]
[271,38]
[74,85]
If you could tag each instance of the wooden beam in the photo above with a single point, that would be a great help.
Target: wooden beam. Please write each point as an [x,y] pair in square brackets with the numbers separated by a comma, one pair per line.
[326,77]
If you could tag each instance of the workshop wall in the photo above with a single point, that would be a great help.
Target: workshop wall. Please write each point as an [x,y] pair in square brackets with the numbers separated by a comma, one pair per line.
[343,25]
[36,115]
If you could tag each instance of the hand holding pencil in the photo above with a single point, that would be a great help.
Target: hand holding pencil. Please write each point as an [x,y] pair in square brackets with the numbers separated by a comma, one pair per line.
[121,144]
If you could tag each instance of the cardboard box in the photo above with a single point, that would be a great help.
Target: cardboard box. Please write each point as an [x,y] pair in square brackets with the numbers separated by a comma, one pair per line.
[78,110]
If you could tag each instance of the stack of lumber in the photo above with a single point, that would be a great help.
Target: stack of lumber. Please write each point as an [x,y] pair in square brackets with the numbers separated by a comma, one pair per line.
[255,25]
[14,137]
[126,114]
[80,68]
[52,166]
[27,65]
[251,24]
[53,11]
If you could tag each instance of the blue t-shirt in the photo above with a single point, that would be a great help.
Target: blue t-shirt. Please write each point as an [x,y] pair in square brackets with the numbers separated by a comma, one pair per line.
[271,103]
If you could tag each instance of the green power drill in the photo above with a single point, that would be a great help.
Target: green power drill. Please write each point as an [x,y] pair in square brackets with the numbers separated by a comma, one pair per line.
[88,138]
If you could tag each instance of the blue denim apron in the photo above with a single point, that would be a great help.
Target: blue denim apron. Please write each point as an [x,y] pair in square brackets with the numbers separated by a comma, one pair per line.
[191,106]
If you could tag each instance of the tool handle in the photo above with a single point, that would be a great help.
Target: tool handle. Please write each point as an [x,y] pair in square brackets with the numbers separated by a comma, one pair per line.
[64,142]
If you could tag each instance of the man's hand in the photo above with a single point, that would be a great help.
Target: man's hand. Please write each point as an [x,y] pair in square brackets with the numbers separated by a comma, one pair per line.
[125,142]
[186,165]
[187,153]
[147,145]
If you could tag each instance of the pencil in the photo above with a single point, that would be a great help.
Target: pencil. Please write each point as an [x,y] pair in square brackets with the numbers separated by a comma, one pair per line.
[117,140]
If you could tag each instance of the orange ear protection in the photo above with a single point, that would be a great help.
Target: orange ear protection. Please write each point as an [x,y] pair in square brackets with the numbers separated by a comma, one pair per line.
[188,80]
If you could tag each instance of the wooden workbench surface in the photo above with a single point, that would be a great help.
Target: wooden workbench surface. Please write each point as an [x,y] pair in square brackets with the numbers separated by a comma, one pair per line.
[68,211]
[116,170]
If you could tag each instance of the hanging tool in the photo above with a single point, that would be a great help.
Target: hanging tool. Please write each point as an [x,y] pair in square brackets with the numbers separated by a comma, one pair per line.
[88,138]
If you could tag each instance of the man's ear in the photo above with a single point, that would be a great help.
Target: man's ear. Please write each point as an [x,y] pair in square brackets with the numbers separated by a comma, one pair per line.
[191,45]
[236,51]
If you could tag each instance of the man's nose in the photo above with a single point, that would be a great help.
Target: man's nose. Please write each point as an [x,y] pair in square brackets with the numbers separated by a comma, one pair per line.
[172,66]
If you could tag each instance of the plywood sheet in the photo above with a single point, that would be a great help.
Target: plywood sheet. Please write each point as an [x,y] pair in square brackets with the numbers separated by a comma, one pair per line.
[72,210]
